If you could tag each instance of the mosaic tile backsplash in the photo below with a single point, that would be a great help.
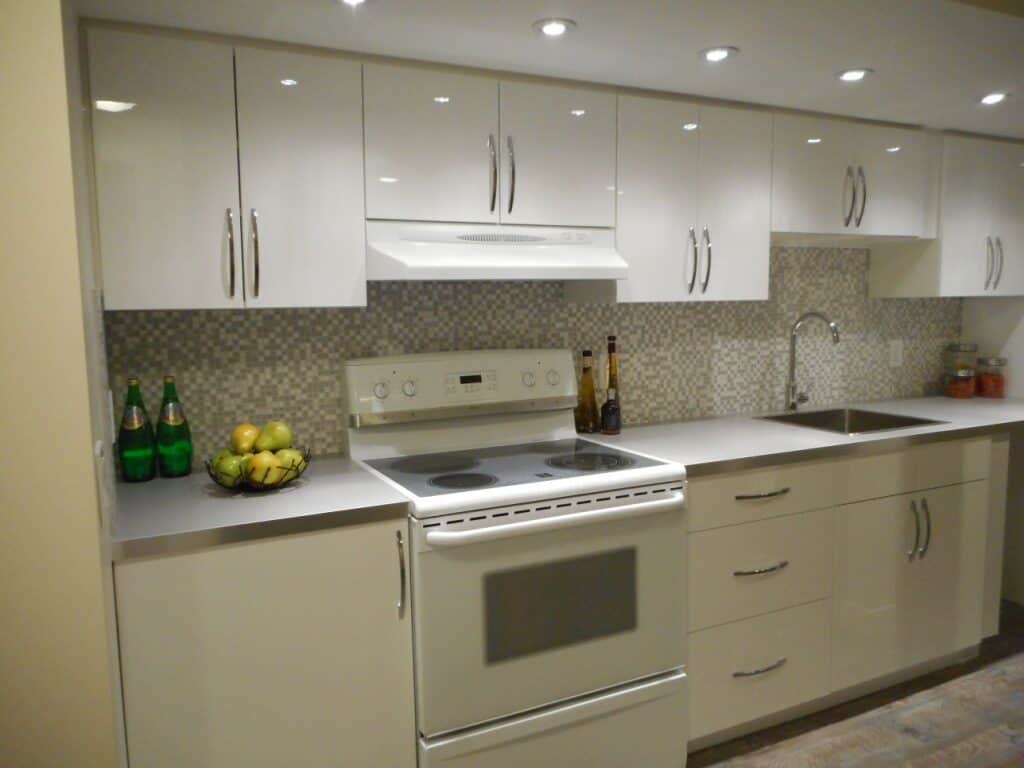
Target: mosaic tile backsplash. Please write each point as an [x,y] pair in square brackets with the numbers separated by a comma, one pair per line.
[677,361]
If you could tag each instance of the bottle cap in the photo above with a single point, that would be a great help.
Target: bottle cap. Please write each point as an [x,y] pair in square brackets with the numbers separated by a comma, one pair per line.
[611,338]
[133,381]
[587,353]
[168,379]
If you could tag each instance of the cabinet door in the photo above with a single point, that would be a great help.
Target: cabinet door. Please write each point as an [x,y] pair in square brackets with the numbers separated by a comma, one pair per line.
[166,171]
[948,580]
[874,590]
[286,651]
[734,206]
[897,187]
[968,217]
[1008,216]
[431,145]
[811,191]
[558,149]
[657,206]
[300,138]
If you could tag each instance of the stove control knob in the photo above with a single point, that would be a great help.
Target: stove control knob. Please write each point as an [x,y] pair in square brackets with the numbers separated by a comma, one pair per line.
[529,379]
[553,377]
[409,388]
[381,390]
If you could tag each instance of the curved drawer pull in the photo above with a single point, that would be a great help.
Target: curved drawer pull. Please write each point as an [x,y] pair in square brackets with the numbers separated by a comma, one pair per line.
[761,571]
[762,670]
[756,496]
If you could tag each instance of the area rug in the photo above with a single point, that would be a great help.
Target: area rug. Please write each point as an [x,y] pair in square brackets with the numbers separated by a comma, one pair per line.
[975,721]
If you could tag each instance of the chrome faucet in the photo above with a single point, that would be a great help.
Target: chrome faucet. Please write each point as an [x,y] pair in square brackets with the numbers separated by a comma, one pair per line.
[795,399]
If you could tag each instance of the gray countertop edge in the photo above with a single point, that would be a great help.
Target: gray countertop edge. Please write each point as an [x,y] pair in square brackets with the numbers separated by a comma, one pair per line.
[191,541]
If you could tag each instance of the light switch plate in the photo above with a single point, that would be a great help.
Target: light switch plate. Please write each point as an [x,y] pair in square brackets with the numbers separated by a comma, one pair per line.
[896,353]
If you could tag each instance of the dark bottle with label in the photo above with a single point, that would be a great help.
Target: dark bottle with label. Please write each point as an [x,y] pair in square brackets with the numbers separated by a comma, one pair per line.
[136,451]
[587,416]
[173,437]
[611,414]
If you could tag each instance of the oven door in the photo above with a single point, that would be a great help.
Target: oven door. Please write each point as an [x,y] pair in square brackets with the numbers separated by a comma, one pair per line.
[517,609]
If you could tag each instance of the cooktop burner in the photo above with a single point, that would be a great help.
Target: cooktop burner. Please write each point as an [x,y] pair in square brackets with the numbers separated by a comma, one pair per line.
[431,474]
[463,481]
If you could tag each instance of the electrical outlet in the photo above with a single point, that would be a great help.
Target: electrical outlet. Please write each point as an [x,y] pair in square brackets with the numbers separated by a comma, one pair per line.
[896,353]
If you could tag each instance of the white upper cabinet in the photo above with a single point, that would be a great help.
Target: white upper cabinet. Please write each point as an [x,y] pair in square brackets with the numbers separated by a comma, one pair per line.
[1008,217]
[694,201]
[558,155]
[835,177]
[431,145]
[300,139]
[166,171]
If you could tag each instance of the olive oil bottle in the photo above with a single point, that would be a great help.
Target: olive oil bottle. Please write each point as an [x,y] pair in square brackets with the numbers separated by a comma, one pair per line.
[136,453]
[587,417]
[611,414]
[173,436]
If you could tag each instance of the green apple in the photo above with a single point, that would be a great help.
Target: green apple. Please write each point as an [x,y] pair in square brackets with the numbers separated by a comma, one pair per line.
[274,436]
[292,461]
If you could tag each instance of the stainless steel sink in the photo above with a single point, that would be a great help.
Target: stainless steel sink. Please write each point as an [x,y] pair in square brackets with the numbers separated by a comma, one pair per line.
[850,421]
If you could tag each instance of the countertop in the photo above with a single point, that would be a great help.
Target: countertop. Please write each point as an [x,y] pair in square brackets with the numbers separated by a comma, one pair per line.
[171,515]
[712,446]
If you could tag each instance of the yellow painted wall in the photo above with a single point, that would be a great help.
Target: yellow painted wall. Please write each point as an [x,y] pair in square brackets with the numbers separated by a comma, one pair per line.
[56,703]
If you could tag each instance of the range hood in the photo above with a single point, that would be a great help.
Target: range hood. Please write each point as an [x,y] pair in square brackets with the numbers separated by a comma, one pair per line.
[401,250]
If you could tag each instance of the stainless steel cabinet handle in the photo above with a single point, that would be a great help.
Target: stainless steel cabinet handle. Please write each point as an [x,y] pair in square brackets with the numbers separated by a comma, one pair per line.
[928,530]
[255,217]
[863,182]
[849,184]
[231,254]
[762,670]
[989,261]
[706,238]
[999,269]
[696,258]
[401,573]
[917,531]
[494,170]
[512,175]
[756,496]
[761,571]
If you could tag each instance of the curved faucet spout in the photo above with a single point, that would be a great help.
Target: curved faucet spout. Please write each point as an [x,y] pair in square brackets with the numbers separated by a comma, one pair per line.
[793,398]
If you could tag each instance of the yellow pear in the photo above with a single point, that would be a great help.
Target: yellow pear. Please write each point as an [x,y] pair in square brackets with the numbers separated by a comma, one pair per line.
[243,437]
[274,436]
[265,469]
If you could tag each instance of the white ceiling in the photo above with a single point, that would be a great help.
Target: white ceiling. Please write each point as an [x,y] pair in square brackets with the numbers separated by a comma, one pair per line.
[934,58]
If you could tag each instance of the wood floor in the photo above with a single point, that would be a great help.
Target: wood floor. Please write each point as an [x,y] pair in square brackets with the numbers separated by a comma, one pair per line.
[1009,642]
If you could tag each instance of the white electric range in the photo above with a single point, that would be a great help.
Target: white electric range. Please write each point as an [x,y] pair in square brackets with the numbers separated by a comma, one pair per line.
[548,570]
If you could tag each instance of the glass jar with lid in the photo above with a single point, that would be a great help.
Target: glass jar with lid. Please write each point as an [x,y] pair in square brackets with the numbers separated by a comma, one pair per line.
[959,361]
[992,377]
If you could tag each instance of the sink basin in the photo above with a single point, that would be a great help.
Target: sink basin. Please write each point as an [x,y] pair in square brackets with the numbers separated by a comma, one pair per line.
[850,421]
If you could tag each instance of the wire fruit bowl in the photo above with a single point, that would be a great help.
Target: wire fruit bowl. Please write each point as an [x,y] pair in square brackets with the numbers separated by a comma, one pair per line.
[270,479]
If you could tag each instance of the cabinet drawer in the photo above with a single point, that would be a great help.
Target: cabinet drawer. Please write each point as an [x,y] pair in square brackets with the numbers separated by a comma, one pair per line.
[744,497]
[745,570]
[749,669]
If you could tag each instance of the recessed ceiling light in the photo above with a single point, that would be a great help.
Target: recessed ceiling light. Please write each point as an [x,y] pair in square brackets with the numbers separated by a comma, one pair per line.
[814,140]
[992,98]
[854,75]
[353,3]
[719,53]
[577,112]
[388,179]
[892,149]
[442,99]
[105,105]
[689,126]
[554,27]
[289,82]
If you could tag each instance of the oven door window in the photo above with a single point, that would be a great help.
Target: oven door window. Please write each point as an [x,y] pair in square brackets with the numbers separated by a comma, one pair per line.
[556,604]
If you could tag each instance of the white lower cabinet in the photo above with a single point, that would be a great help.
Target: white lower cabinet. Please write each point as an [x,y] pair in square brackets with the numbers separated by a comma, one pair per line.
[284,651]
[749,669]
[909,579]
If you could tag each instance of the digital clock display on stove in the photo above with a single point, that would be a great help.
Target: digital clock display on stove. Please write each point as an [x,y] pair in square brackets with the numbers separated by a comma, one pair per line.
[471,378]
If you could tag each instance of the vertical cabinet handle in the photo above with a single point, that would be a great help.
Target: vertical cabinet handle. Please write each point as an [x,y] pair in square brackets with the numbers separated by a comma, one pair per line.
[255,218]
[989,261]
[512,175]
[999,268]
[696,258]
[401,573]
[917,531]
[863,183]
[928,530]
[706,238]
[231,254]
[849,183]
[494,170]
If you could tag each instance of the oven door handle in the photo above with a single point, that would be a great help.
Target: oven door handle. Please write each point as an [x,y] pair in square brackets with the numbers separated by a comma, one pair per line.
[545,524]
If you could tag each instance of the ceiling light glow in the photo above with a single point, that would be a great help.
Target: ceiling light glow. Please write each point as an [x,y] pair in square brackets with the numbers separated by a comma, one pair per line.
[388,179]
[690,126]
[719,53]
[992,98]
[287,82]
[892,149]
[104,105]
[577,112]
[442,99]
[553,27]
[854,75]
[353,3]
[814,140]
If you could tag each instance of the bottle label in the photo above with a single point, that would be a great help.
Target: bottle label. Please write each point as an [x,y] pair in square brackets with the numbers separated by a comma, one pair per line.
[133,417]
[612,393]
[172,414]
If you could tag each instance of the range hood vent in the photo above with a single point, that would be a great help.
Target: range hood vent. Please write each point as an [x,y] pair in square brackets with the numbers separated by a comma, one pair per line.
[399,250]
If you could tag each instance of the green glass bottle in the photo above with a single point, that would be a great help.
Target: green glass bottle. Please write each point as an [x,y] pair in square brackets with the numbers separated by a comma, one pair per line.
[136,451]
[173,437]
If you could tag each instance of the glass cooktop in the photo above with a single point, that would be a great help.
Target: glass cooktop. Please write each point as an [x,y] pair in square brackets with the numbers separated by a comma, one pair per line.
[432,474]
